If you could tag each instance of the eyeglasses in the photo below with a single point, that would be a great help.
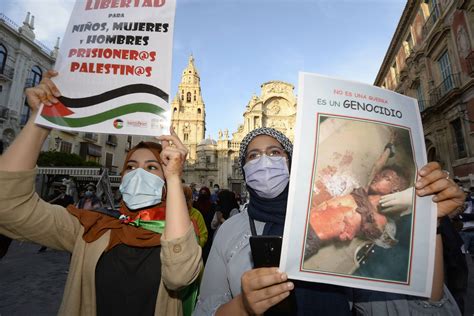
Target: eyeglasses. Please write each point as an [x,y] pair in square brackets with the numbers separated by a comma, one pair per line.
[273,151]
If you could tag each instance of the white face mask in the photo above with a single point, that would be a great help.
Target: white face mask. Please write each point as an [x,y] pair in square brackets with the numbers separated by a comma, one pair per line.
[141,189]
[268,176]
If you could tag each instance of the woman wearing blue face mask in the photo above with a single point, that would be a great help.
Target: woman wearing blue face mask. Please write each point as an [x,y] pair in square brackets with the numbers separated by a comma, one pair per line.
[231,286]
[124,262]
[89,201]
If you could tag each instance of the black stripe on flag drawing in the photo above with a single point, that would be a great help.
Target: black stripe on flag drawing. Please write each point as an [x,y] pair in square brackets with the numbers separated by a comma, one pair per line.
[112,94]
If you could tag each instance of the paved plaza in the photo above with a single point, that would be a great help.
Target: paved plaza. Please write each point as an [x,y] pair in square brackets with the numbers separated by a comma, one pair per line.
[32,283]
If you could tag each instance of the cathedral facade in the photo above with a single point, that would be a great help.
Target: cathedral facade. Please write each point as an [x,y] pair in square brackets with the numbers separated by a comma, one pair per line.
[216,161]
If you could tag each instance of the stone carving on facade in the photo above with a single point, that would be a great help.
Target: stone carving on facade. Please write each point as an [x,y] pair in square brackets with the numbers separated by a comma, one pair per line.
[274,108]
[418,29]
[464,46]
[186,128]
[276,87]
[278,125]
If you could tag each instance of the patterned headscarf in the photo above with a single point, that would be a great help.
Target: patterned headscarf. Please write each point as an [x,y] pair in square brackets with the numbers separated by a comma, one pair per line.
[279,136]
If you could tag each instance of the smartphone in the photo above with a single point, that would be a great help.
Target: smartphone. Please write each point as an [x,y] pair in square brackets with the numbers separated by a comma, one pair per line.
[266,251]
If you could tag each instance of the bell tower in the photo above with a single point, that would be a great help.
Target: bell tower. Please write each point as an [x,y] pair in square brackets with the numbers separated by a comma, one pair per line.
[188,110]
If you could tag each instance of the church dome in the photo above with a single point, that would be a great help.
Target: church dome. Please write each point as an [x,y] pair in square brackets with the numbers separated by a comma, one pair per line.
[208,142]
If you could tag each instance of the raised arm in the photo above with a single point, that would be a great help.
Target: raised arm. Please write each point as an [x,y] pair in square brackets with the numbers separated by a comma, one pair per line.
[31,138]
[23,215]
[173,156]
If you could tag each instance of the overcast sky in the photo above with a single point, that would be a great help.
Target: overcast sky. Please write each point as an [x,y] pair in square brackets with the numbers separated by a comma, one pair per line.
[240,44]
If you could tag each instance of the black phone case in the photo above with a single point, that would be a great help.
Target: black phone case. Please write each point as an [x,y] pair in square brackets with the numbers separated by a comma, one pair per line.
[266,251]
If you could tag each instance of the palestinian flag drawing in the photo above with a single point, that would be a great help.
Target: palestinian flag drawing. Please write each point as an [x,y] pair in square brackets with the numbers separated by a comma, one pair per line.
[114,67]
[62,113]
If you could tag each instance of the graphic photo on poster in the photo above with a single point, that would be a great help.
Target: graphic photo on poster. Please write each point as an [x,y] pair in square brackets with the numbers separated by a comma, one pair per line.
[361,207]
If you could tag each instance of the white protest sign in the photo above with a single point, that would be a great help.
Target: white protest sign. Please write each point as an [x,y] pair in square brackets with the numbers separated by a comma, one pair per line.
[114,68]
[353,218]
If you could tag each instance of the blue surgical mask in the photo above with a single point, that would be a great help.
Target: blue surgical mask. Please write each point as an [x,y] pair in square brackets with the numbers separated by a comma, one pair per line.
[88,194]
[141,189]
[268,176]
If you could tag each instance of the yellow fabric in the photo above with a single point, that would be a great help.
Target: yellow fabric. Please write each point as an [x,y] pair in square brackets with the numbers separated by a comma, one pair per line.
[24,216]
[197,217]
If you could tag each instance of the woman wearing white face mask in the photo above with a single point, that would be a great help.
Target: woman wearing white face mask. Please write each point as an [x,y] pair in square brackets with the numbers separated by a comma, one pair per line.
[231,286]
[125,262]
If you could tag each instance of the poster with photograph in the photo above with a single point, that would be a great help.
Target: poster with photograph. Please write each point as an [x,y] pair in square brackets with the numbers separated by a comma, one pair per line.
[353,218]
[114,68]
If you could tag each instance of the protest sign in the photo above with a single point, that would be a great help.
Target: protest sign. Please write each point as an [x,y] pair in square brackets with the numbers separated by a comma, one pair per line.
[352,209]
[114,68]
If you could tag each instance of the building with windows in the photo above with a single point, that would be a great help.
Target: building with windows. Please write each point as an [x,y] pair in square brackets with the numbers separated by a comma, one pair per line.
[215,161]
[23,61]
[431,58]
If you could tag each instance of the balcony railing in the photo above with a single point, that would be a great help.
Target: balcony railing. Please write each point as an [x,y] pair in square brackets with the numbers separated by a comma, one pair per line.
[8,21]
[449,83]
[6,72]
[13,25]
[422,105]
[4,112]
[430,22]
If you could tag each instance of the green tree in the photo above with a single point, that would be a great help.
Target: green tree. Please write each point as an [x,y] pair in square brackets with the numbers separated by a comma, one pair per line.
[60,159]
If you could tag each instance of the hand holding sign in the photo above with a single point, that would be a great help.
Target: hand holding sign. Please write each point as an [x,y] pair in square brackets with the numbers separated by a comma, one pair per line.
[44,93]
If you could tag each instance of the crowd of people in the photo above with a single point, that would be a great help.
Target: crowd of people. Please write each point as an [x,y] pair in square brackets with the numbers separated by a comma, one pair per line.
[174,249]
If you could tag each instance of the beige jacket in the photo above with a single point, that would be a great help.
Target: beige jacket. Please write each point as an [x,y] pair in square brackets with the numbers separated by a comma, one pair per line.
[24,216]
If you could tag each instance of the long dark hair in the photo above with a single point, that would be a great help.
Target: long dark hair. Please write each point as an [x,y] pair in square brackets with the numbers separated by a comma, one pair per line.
[226,202]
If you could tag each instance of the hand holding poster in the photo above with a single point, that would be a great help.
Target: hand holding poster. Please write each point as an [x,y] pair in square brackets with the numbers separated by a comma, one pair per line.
[352,208]
[114,68]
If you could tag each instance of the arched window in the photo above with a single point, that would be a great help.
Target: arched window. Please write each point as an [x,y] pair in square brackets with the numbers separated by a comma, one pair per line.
[175,110]
[35,75]
[3,58]
[188,97]
[182,95]
[194,95]
[199,111]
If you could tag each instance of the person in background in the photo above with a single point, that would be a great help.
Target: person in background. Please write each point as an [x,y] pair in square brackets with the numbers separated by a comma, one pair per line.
[196,217]
[62,198]
[215,191]
[195,192]
[227,206]
[89,201]
[207,209]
